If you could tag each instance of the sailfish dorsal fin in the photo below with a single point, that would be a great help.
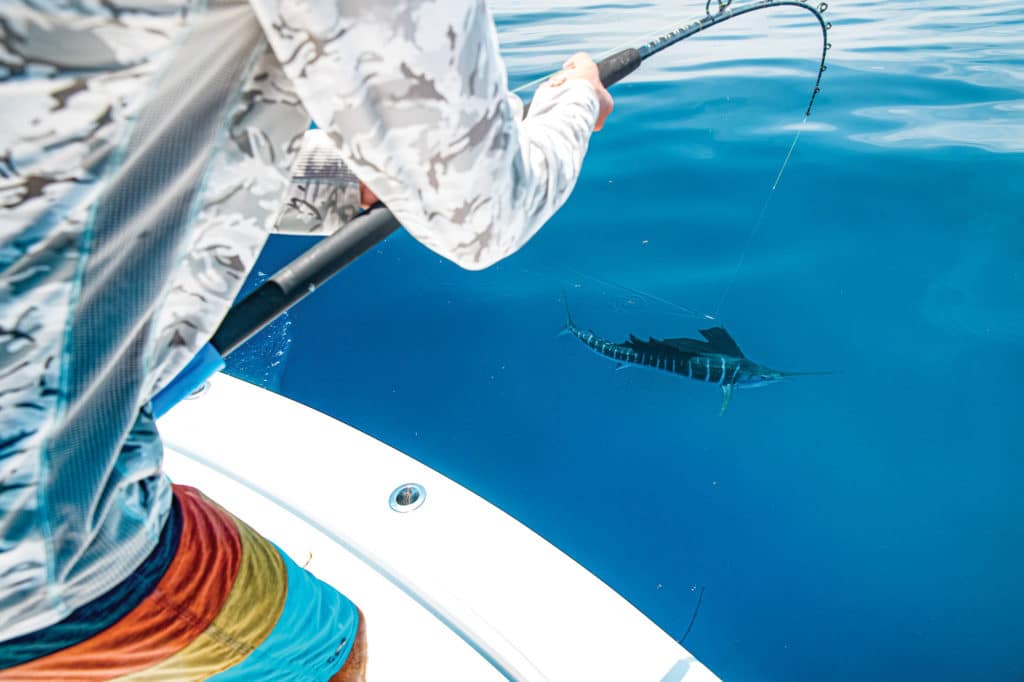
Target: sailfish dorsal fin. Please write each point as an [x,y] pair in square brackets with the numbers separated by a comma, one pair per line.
[718,341]
[721,342]
[691,346]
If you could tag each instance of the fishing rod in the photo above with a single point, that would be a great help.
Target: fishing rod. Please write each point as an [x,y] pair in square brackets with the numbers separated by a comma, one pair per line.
[331,254]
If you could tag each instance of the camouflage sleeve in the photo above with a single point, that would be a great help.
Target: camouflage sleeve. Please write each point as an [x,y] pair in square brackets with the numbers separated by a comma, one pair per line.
[415,95]
[323,193]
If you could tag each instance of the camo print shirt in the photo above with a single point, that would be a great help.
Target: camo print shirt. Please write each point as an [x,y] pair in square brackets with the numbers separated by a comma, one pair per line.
[145,153]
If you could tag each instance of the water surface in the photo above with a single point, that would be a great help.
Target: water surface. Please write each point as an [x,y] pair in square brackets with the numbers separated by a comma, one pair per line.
[864,525]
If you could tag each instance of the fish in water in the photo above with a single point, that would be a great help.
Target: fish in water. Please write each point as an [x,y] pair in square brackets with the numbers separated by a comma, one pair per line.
[715,360]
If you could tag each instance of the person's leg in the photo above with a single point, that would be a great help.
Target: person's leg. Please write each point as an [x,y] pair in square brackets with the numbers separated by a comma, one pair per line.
[229,607]
[354,669]
[314,631]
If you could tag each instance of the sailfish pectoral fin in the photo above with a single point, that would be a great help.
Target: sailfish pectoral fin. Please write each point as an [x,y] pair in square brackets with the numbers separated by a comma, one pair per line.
[726,397]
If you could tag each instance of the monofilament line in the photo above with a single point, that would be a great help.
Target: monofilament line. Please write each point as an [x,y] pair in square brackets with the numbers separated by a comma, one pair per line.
[693,618]
[760,219]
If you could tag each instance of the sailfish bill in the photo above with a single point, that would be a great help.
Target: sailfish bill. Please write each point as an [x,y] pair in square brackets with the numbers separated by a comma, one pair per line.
[715,359]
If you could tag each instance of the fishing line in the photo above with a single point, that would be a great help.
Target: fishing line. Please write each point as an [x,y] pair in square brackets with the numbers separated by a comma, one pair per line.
[634,302]
[724,13]
[670,37]
[693,618]
[333,253]
[689,312]
[757,223]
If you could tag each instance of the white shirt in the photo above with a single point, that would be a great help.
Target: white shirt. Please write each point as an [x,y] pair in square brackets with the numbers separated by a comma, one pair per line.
[144,155]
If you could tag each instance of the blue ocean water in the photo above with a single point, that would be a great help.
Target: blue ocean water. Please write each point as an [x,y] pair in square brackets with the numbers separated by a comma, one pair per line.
[862,525]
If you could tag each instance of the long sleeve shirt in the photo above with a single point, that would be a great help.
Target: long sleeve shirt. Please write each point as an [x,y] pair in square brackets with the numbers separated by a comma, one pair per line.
[145,155]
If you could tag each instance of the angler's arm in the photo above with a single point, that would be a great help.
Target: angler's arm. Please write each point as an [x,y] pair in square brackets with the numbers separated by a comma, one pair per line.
[416,94]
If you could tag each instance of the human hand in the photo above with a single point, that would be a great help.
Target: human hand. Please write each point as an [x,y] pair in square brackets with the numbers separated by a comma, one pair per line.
[580,66]
[366,196]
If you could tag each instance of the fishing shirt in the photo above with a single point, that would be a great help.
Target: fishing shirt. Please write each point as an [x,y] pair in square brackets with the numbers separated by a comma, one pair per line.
[145,153]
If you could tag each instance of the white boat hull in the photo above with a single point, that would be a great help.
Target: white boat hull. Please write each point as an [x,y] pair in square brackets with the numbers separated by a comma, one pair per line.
[453,590]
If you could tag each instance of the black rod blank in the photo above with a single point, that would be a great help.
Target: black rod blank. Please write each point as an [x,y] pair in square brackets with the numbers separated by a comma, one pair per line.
[302,276]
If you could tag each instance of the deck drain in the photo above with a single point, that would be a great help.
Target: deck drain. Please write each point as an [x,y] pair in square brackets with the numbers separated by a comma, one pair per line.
[407,497]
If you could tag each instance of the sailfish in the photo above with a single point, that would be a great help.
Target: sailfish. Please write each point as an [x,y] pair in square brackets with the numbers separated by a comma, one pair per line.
[717,359]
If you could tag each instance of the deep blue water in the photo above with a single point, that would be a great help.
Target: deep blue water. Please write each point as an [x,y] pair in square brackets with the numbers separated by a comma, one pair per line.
[863,525]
